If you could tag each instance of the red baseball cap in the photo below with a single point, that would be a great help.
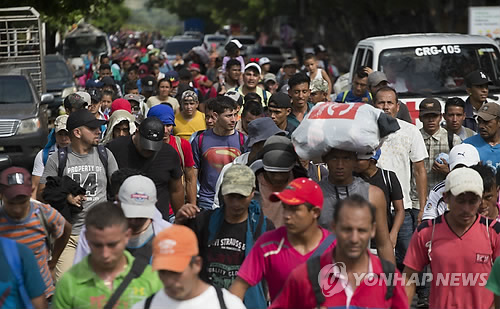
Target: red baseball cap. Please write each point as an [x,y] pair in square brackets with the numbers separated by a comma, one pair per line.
[300,191]
[15,181]
[121,104]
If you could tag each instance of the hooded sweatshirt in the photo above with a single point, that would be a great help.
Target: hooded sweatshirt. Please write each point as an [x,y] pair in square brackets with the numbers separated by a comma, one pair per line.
[117,117]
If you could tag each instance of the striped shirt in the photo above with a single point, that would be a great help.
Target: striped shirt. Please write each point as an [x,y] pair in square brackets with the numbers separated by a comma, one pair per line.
[30,232]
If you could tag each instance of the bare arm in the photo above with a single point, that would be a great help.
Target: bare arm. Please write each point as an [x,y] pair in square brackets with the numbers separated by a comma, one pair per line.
[239,287]
[176,194]
[410,285]
[421,180]
[40,302]
[35,181]
[398,220]
[384,245]
[328,80]
[190,177]
[39,192]
[60,244]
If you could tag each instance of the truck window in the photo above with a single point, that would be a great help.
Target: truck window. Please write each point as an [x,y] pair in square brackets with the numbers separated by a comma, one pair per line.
[368,58]
[359,58]
[79,45]
[15,90]
[437,69]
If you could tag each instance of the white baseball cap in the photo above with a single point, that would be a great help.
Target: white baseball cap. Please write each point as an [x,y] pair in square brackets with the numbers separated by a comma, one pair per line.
[464,180]
[86,97]
[137,197]
[464,154]
[264,60]
[253,65]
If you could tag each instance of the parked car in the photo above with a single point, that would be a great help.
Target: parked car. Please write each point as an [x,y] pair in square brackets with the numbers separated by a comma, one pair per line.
[23,120]
[180,44]
[255,53]
[217,39]
[245,40]
[59,81]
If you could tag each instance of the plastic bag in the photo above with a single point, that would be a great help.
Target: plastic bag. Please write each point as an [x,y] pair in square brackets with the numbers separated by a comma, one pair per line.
[357,127]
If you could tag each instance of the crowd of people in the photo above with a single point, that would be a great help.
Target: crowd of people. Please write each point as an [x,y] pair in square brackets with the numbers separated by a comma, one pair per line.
[160,187]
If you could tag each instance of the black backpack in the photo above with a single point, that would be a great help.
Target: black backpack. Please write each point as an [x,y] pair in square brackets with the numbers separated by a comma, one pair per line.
[314,267]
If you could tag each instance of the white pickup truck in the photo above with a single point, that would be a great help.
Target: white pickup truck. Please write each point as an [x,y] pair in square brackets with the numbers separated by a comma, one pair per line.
[429,65]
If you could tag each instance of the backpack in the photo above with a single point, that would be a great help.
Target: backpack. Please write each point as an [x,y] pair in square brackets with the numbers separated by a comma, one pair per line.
[386,176]
[264,94]
[218,290]
[62,155]
[241,135]
[314,268]
[179,148]
[11,253]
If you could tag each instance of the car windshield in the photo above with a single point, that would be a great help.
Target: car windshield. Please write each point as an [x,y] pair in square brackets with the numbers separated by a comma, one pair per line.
[180,47]
[14,90]
[77,46]
[437,69]
[56,70]
[217,39]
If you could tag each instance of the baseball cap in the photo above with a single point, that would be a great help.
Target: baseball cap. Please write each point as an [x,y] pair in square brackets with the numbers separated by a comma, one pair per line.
[238,179]
[15,181]
[164,112]
[151,133]
[476,78]
[133,97]
[429,106]
[264,60]
[236,96]
[194,67]
[319,85]
[299,191]
[290,62]
[74,100]
[377,154]
[376,78]
[173,248]
[83,117]
[60,123]
[464,180]
[189,94]
[121,104]
[261,129]
[280,100]
[253,65]
[85,96]
[278,154]
[137,197]
[269,77]
[464,154]
[489,111]
[233,44]
[173,77]
[148,83]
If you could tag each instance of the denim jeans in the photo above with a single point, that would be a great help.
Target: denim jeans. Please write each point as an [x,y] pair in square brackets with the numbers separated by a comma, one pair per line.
[404,236]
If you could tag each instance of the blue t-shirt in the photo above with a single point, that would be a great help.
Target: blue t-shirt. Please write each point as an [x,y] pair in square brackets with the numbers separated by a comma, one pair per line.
[350,97]
[215,152]
[488,154]
[33,281]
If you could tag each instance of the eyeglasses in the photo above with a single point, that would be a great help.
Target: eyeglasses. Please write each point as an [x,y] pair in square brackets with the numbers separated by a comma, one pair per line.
[15,179]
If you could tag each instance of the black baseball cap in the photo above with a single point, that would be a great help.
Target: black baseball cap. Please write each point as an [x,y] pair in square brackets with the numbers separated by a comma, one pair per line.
[280,100]
[83,117]
[151,134]
[108,81]
[476,78]
[74,100]
[148,83]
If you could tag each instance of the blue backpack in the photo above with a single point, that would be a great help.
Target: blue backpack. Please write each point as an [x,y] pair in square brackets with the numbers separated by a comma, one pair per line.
[11,253]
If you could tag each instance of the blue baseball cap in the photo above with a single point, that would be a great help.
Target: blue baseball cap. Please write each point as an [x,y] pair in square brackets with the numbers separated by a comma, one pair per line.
[377,154]
[164,112]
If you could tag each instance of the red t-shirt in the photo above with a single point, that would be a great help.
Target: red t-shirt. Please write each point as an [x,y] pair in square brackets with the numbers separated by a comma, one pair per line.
[273,258]
[460,265]
[186,149]
[298,293]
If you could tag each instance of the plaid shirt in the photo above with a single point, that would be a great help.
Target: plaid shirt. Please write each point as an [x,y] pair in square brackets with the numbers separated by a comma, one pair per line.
[436,144]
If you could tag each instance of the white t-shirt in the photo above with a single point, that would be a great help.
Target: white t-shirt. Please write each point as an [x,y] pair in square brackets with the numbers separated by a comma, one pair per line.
[206,300]
[38,165]
[435,205]
[402,147]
